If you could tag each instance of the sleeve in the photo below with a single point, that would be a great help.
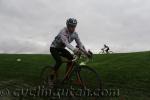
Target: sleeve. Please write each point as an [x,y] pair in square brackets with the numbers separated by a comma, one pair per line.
[65,41]
[79,43]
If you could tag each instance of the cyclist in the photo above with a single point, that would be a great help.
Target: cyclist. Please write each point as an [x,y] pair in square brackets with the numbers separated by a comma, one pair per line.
[106,48]
[62,40]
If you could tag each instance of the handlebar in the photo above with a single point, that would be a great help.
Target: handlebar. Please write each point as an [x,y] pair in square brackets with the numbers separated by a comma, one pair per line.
[77,57]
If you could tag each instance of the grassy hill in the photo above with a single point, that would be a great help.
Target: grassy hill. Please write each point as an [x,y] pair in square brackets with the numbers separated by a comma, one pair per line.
[128,72]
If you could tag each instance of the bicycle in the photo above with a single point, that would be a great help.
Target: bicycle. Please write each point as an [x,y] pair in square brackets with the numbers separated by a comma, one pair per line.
[104,52]
[78,76]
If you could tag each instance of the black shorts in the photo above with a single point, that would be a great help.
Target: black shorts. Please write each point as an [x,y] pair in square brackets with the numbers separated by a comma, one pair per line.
[57,53]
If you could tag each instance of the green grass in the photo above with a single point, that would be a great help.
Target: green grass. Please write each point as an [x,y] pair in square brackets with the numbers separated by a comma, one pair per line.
[129,72]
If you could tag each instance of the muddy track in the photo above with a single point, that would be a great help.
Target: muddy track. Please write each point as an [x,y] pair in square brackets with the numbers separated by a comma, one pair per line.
[8,88]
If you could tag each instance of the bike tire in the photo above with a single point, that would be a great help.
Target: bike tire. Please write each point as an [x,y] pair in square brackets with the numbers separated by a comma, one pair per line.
[111,52]
[81,70]
[59,85]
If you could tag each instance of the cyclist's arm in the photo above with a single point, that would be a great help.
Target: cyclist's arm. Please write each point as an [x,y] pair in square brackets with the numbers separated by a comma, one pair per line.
[65,41]
[80,45]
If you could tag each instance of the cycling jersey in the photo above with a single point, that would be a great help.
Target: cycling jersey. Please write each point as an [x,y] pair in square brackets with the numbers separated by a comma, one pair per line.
[64,38]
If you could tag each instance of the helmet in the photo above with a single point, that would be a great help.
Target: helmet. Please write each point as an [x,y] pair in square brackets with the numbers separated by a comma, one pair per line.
[71,22]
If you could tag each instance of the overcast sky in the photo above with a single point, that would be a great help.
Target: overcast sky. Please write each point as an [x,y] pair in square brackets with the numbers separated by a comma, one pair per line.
[29,26]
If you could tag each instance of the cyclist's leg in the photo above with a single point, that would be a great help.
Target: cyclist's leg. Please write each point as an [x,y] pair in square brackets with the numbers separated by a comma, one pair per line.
[65,53]
[57,57]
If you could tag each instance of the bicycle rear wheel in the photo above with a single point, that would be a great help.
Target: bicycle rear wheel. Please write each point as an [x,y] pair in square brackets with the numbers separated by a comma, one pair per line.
[88,83]
[47,83]
[45,77]
[59,87]
[110,52]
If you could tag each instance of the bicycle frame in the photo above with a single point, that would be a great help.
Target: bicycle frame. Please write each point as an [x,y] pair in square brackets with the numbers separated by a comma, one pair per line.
[76,76]
[74,65]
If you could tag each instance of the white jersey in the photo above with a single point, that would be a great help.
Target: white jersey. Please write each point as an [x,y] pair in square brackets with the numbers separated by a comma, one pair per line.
[64,38]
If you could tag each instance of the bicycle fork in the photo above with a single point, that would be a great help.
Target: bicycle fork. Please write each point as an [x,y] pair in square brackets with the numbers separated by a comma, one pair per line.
[68,73]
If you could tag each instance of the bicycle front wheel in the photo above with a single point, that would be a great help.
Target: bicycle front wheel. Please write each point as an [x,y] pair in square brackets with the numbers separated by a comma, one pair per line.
[86,80]
[89,77]
[46,77]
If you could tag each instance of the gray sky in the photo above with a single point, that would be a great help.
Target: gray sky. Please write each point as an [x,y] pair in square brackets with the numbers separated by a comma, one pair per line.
[29,26]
